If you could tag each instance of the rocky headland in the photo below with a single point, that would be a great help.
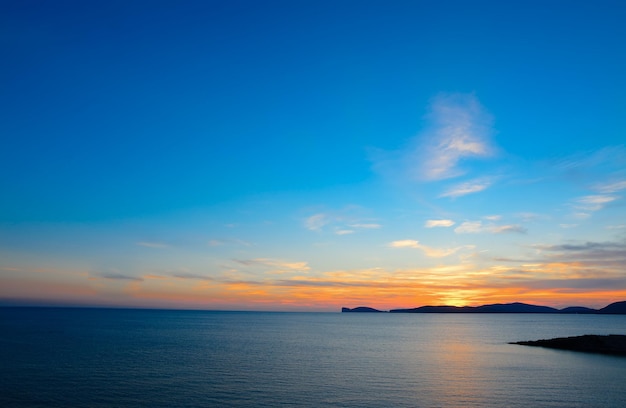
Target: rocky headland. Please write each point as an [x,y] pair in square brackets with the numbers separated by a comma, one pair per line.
[610,344]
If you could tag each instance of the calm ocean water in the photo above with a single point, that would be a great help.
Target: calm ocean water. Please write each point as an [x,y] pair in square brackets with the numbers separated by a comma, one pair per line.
[149,358]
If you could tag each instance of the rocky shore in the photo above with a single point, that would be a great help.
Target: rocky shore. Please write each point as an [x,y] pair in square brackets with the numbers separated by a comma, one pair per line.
[610,344]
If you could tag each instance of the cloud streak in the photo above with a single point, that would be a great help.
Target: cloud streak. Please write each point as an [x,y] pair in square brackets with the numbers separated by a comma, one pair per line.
[316,221]
[279,265]
[460,129]
[477,227]
[342,222]
[438,223]
[608,158]
[593,202]
[587,247]
[466,188]
[428,251]
[118,276]
[189,275]
[502,229]
[366,226]
[609,188]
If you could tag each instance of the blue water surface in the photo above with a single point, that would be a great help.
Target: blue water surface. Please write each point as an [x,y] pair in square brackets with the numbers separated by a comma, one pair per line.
[64,357]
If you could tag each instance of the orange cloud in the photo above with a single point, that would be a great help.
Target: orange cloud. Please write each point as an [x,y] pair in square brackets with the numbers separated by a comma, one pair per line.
[557,284]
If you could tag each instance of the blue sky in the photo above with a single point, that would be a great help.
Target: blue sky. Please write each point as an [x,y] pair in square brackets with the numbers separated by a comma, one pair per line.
[304,155]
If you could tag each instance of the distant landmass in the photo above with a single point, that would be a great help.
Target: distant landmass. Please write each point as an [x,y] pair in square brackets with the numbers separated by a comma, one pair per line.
[361,309]
[591,343]
[517,307]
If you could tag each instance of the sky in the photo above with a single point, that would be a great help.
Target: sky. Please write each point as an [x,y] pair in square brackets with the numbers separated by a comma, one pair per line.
[308,155]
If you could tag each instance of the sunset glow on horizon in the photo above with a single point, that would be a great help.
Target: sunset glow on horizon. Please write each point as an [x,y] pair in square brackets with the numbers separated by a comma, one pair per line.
[304,156]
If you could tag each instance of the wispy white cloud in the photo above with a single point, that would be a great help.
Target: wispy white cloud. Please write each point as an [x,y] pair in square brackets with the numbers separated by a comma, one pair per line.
[404,243]
[501,229]
[438,223]
[619,226]
[493,217]
[602,171]
[366,226]
[347,220]
[594,202]
[460,128]
[476,227]
[612,187]
[316,221]
[466,188]
[531,217]
[609,157]
[585,206]
[469,227]
[279,265]
[428,251]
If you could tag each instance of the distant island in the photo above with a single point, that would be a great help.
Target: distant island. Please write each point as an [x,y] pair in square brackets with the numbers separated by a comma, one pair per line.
[611,344]
[517,307]
[361,309]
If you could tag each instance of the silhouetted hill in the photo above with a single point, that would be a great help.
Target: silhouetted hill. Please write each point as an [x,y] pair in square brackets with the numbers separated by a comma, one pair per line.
[578,310]
[434,309]
[495,308]
[611,344]
[516,307]
[614,308]
[360,309]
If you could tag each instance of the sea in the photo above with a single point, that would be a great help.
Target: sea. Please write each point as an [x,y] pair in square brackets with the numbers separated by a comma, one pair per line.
[74,357]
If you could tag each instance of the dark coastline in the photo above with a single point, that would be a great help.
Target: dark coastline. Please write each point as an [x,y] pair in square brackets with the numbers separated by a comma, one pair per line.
[613,344]
[613,308]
